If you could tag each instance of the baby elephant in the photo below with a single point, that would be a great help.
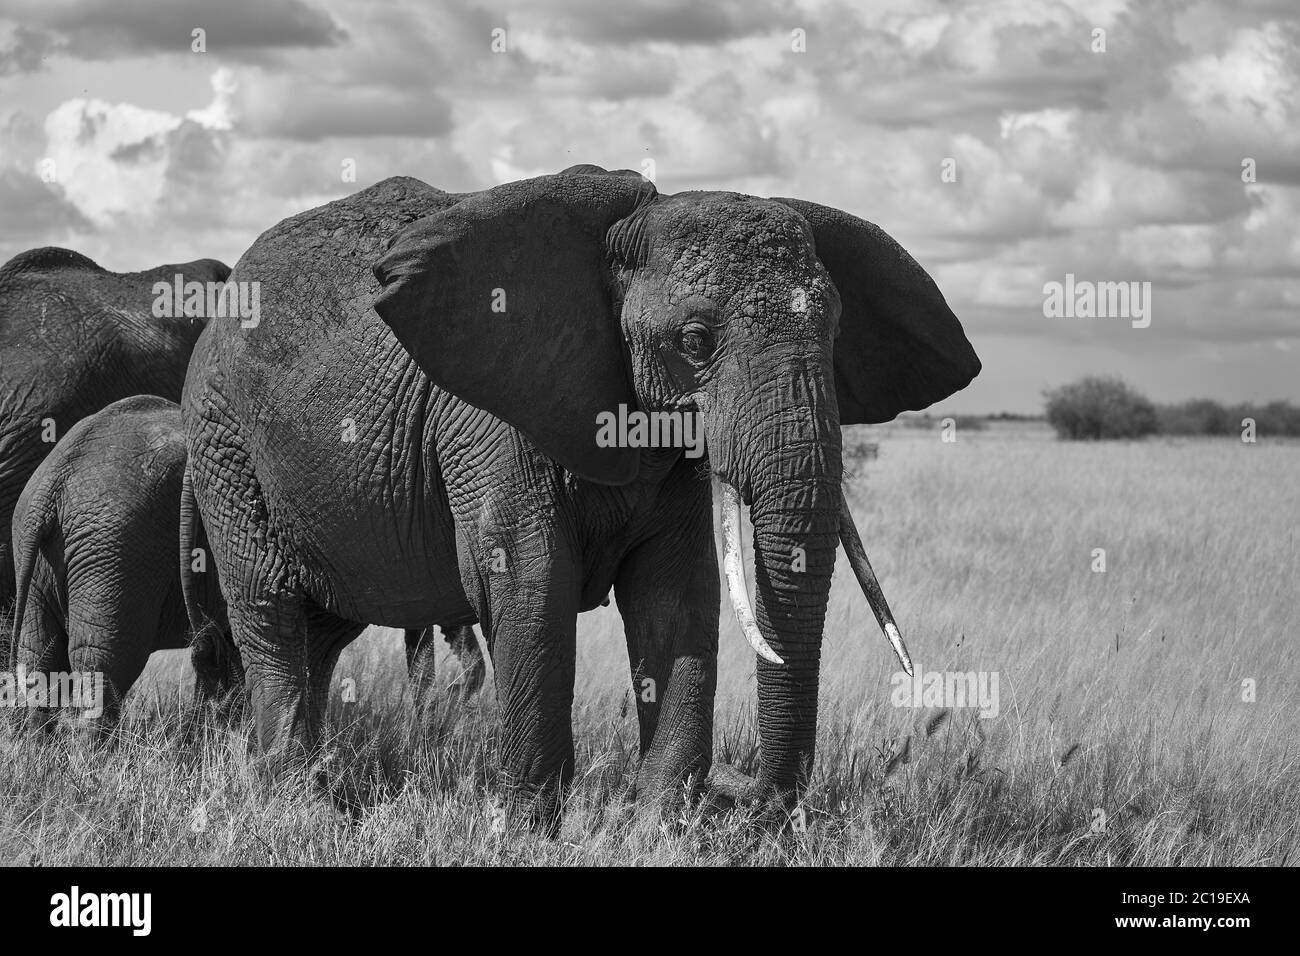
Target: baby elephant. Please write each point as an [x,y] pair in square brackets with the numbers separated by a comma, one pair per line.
[95,540]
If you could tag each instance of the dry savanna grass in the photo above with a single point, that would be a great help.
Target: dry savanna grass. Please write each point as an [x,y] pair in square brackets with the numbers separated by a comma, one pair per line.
[1147,713]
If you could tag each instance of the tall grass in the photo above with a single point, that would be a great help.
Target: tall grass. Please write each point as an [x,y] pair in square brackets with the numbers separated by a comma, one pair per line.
[1122,738]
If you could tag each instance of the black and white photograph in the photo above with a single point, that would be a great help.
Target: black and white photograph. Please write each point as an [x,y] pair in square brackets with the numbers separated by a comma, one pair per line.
[651,433]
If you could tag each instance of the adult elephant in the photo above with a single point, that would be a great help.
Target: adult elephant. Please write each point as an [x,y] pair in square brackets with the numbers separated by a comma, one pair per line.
[75,338]
[443,456]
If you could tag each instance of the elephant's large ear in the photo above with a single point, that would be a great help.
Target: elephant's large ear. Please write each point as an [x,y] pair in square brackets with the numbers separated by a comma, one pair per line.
[900,348]
[503,299]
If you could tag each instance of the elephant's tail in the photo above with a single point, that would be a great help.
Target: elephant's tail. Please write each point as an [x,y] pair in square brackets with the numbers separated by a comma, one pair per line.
[189,533]
[35,527]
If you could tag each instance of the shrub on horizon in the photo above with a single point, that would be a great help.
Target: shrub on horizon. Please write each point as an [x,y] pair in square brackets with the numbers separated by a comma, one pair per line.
[1096,408]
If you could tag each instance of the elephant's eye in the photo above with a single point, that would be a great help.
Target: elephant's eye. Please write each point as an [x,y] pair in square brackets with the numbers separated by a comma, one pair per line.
[696,343]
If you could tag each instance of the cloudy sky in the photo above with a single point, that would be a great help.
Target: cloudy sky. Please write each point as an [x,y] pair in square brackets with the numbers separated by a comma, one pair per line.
[1123,164]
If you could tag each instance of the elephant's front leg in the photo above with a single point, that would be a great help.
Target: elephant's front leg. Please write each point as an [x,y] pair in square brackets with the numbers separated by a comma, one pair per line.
[667,591]
[531,597]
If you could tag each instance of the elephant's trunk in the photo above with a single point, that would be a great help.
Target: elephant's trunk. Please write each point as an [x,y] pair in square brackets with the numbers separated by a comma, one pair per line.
[800,516]
[793,480]
[861,565]
[796,531]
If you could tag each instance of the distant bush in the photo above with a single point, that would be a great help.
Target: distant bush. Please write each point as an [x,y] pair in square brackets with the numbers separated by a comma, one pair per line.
[1203,416]
[1095,408]
[1200,416]
[1275,418]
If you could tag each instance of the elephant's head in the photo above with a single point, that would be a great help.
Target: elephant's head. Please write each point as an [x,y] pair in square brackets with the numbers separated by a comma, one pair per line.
[777,320]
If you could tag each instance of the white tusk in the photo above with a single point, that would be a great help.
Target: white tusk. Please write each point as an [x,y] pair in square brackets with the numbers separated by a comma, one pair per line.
[734,565]
[870,586]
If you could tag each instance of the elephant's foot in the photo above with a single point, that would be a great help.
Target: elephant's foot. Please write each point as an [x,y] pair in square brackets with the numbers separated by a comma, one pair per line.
[536,796]
[669,778]
[669,800]
[542,810]
[291,767]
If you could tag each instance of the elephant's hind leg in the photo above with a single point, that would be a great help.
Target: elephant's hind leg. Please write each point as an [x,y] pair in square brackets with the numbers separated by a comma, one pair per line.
[41,646]
[289,649]
[109,643]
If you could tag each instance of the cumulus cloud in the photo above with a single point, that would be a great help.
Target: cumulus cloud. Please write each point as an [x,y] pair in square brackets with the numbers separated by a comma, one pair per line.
[1125,164]
[111,159]
[683,22]
[277,107]
[23,49]
[34,213]
[107,29]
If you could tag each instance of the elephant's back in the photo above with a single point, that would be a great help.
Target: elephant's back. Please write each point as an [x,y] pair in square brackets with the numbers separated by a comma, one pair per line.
[337,243]
[53,291]
[140,423]
[139,435]
[49,344]
[43,293]
[131,452]
[42,260]
[316,330]
[74,336]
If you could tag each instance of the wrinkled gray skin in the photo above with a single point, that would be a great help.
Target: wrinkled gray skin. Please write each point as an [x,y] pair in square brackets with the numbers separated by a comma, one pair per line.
[94,537]
[475,438]
[74,338]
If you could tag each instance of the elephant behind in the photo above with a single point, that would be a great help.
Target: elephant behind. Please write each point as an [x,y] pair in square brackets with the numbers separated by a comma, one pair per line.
[441,445]
[73,338]
[95,536]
